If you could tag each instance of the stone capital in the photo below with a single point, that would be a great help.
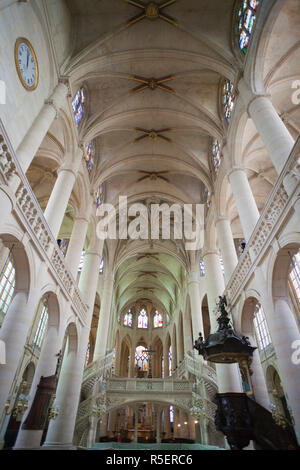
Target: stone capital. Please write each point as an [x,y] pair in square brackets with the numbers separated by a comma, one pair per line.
[233,169]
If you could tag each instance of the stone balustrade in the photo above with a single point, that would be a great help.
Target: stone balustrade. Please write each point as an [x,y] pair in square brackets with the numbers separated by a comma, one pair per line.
[28,211]
[281,199]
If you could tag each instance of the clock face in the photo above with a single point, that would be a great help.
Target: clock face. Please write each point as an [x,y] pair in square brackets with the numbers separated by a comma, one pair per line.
[26,64]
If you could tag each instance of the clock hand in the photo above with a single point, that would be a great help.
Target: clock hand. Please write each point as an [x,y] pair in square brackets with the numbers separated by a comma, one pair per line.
[27,58]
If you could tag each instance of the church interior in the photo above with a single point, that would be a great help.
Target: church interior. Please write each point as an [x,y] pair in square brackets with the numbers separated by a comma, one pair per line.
[149,341]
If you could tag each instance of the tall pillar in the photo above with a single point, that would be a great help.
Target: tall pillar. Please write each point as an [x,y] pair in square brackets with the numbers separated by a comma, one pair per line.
[187,333]
[13,332]
[131,362]
[61,430]
[104,317]
[46,367]
[34,137]
[136,422]
[76,244]
[226,245]
[59,199]
[244,200]
[194,291]
[158,424]
[273,132]
[258,379]
[228,374]
[284,333]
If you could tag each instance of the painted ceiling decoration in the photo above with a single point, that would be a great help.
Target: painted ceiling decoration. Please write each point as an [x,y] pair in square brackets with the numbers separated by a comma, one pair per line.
[152,84]
[152,134]
[153,175]
[151,11]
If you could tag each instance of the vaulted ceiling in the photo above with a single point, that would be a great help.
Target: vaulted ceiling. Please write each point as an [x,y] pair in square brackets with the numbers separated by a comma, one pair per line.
[153,73]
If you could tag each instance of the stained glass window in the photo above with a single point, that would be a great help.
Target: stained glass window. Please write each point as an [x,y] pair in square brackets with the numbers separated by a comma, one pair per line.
[78,105]
[63,245]
[128,319]
[87,355]
[228,99]
[170,360]
[216,151]
[295,274]
[158,320]
[99,196]
[171,414]
[90,155]
[246,19]
[202,268]
[101,266]
[143,319]
[81,261]
[261,329]
[7,284]
[141,359]
[41,329]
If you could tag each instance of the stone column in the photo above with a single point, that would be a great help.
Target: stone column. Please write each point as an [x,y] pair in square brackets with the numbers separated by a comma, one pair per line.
[228,375]
[46,367]
[136,421]
[258,379]
[273,132]
[244,200]
[158,424]
[34,137]
[180,352]
[285,333]
[226,245]
[76,244]
[104,317]
[59,199]
[187,333]
[61,430]
[131,362]
[13,332]
[194,292]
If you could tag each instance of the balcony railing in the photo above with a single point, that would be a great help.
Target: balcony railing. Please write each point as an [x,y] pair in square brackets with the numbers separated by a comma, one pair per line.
[271,218]
[29,213]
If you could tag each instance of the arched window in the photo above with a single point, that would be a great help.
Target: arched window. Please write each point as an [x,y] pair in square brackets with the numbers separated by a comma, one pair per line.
[171,414]
[216,151]
[202,268]
[128,319]
[261,329]
[295,275]
[143,319]
[41,329]
[99,196]
[228,99]
[101,269]
[87,355]
[78,105]
[157,320]
[246,19]
[90,155]
[170,360]
[81,261]
[7,284]
[141,359]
